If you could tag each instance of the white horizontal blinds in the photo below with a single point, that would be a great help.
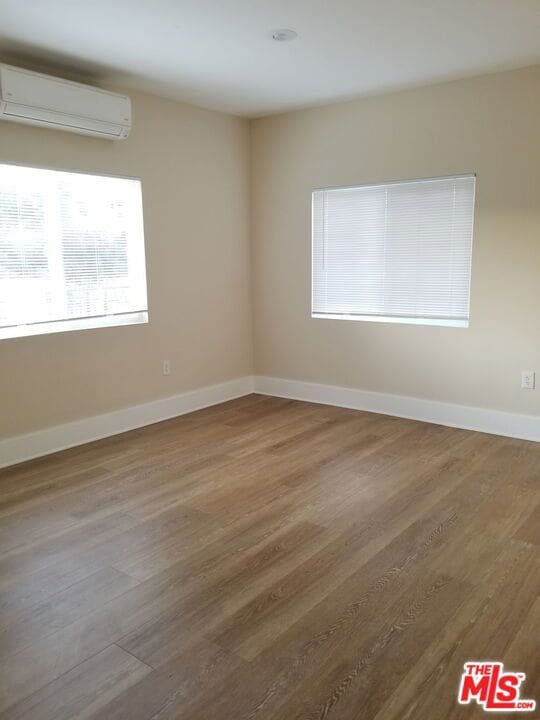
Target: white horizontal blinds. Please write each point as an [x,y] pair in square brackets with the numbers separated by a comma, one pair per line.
[71,246]
[401,250]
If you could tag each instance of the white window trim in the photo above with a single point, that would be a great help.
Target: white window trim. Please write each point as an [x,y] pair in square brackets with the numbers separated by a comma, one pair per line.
[88,323]
[403,181]
[442,322]
[74,171]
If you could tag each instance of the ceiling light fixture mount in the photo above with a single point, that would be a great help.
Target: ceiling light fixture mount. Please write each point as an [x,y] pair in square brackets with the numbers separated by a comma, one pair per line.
[284,35]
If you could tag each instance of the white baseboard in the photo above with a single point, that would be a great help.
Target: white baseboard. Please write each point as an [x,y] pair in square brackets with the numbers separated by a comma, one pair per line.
[495,422]
[60,437]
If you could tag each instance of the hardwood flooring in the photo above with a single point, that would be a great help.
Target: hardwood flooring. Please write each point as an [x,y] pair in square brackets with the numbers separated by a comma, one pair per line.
[268,559]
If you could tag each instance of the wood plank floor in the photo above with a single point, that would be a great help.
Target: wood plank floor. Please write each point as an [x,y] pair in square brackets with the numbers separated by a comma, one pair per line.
[268,559]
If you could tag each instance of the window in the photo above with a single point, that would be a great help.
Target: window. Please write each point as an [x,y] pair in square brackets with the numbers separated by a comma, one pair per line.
[398,252]
[71,251]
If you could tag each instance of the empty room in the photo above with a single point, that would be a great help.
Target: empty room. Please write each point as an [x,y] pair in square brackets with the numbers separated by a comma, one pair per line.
[269,356]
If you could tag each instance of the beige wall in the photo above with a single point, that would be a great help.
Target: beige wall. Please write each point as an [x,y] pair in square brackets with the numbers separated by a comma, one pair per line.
[194,167]
[196,192]
[487,125]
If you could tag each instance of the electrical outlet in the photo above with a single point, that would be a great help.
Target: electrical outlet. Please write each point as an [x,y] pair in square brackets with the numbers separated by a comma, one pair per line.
[528,379]
[166,367]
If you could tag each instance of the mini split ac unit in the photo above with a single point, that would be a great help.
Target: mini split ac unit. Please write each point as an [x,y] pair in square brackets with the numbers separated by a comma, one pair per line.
[51,102]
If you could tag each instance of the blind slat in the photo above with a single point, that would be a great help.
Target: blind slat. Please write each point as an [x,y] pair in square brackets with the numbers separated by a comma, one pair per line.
[400,250]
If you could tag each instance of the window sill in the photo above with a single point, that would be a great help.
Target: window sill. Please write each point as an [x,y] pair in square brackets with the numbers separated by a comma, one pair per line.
[45,328]
[441,322]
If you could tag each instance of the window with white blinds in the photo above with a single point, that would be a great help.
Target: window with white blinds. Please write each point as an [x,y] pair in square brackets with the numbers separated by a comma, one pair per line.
[395,252]
[71,251]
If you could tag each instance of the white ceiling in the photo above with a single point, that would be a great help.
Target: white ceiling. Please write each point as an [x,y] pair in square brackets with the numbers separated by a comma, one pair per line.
[219,53]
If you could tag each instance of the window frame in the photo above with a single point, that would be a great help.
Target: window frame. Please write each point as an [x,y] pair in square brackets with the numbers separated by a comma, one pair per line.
[396,319]
[47,327]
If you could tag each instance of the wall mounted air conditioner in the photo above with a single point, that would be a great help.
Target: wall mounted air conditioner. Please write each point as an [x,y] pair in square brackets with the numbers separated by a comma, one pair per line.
[51,102]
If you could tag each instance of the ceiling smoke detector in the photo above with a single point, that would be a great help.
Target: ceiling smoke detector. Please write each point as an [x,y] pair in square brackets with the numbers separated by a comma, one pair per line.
[284,35]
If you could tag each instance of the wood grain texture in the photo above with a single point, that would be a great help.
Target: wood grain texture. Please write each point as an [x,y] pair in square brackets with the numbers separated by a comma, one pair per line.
[267,559]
